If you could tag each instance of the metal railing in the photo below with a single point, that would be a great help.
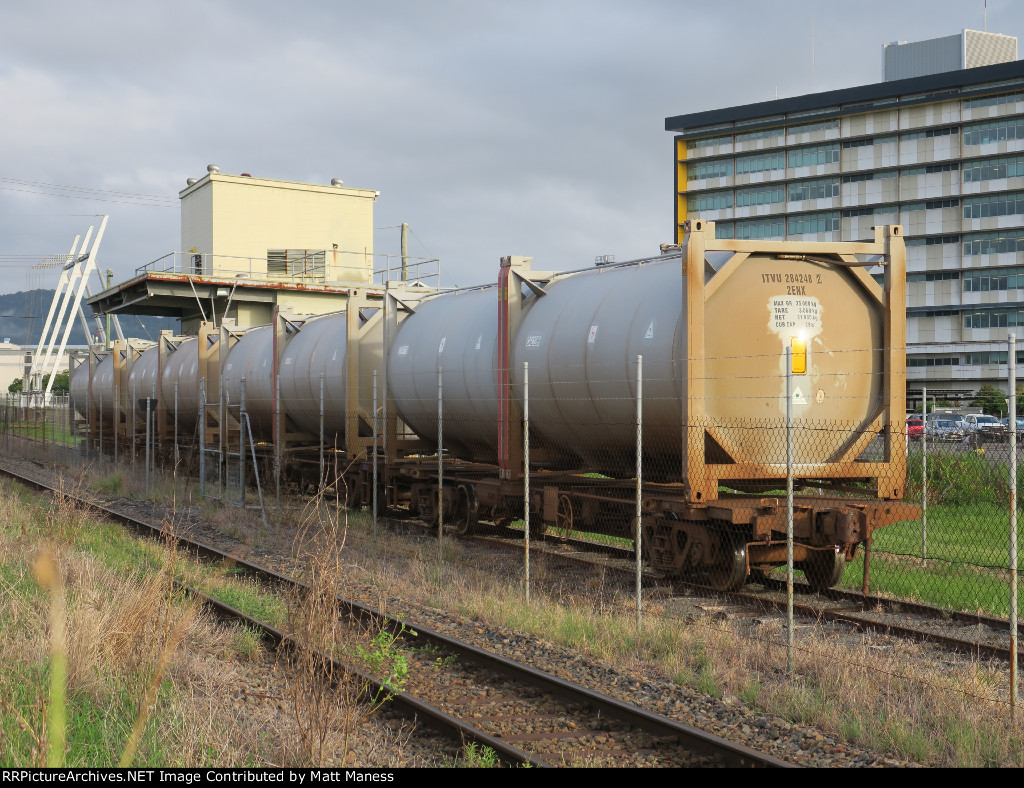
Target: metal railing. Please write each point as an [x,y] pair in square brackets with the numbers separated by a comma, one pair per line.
[319,266]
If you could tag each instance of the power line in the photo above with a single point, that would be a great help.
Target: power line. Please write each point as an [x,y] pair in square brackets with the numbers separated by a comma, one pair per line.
[88,193]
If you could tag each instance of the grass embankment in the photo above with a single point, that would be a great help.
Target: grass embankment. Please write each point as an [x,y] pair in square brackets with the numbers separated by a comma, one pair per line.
[886,698]
[143,667]
[147,679]
[966,543]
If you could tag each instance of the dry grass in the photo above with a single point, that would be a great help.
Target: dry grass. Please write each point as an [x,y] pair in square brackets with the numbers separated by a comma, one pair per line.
[141,682]
[329,703]
[906,700]
[935,709]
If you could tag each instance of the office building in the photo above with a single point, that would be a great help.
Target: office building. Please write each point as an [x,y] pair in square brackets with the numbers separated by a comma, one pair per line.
[942,154]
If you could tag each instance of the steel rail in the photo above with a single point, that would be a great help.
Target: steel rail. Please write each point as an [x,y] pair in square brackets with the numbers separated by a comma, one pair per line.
[844,616]
[693,739]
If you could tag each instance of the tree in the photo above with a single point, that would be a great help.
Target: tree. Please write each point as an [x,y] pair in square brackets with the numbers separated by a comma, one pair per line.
[61,384]
[991,400]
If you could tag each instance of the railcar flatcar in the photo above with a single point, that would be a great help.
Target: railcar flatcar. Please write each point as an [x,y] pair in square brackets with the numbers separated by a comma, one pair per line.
[712,320]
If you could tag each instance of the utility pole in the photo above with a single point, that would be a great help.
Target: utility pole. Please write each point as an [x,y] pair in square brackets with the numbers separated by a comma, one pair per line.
[106,334]
[405,251]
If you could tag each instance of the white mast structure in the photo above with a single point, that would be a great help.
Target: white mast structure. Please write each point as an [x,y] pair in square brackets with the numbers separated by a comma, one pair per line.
[73,284]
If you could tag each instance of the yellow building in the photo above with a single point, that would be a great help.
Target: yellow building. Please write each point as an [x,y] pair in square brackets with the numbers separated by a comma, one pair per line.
[233,224]
[250,245]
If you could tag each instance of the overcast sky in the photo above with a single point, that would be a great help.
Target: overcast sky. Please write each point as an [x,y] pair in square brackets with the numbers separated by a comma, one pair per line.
[492,128]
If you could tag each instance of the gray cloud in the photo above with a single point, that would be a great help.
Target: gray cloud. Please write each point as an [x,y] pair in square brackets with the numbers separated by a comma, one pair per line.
[492,128]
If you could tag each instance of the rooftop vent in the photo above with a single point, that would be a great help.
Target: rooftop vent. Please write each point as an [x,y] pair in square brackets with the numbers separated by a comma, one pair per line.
[212,168]
[337,182]
[245,175]
[192,181]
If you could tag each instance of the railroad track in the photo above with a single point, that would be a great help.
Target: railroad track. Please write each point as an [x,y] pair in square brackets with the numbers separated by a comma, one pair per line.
[525,715]
[910,620]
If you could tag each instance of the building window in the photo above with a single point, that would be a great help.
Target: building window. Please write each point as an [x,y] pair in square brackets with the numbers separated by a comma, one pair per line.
[763,196]
[993,101]
[773,227]
[931,168]
[821,125]
[709,201]
[993,318]
[930,205]
[820,189]
[849,213]
[995,131]
[879,175]
[814,223]
[992,169]
[932,240]
[760,163]
[925,361]
[934,276]
[296,262]
[994,243]
[994,205]
[707,142]
[723,230]
[929,133]
[760,134]
[993,279]
[717,168]
[810,157]
[987,357]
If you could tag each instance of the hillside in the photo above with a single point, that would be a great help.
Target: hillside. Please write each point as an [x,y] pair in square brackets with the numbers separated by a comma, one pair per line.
[23,314]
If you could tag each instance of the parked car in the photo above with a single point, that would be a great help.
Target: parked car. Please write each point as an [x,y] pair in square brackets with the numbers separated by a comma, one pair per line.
[915,428]
[1020,424]
[985,428]
[946,429]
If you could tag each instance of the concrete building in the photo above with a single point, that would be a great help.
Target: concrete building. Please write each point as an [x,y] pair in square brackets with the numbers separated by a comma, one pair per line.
[15,361]
[967,49]
[268,229]
[250,245]
[941,154]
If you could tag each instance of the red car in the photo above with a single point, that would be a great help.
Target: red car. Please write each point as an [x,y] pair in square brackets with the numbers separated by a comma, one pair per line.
[915,429]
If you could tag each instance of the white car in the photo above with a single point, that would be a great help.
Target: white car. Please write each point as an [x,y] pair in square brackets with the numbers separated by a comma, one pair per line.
[985,428]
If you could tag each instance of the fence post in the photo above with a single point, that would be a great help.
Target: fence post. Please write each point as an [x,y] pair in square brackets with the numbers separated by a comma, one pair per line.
[320,486]
[256,469]
[241,446]
[789,510]
[374,501]
[174,473]
[135,449]
[440,471]
[526,477]
[638,542]
[280,439]
[202,437]
[924,475]
[148,400]
[1012,358]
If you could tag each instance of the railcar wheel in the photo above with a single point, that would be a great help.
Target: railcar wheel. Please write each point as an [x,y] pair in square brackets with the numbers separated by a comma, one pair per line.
[731,572]
[824,569]
[564,518]
[466,512]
